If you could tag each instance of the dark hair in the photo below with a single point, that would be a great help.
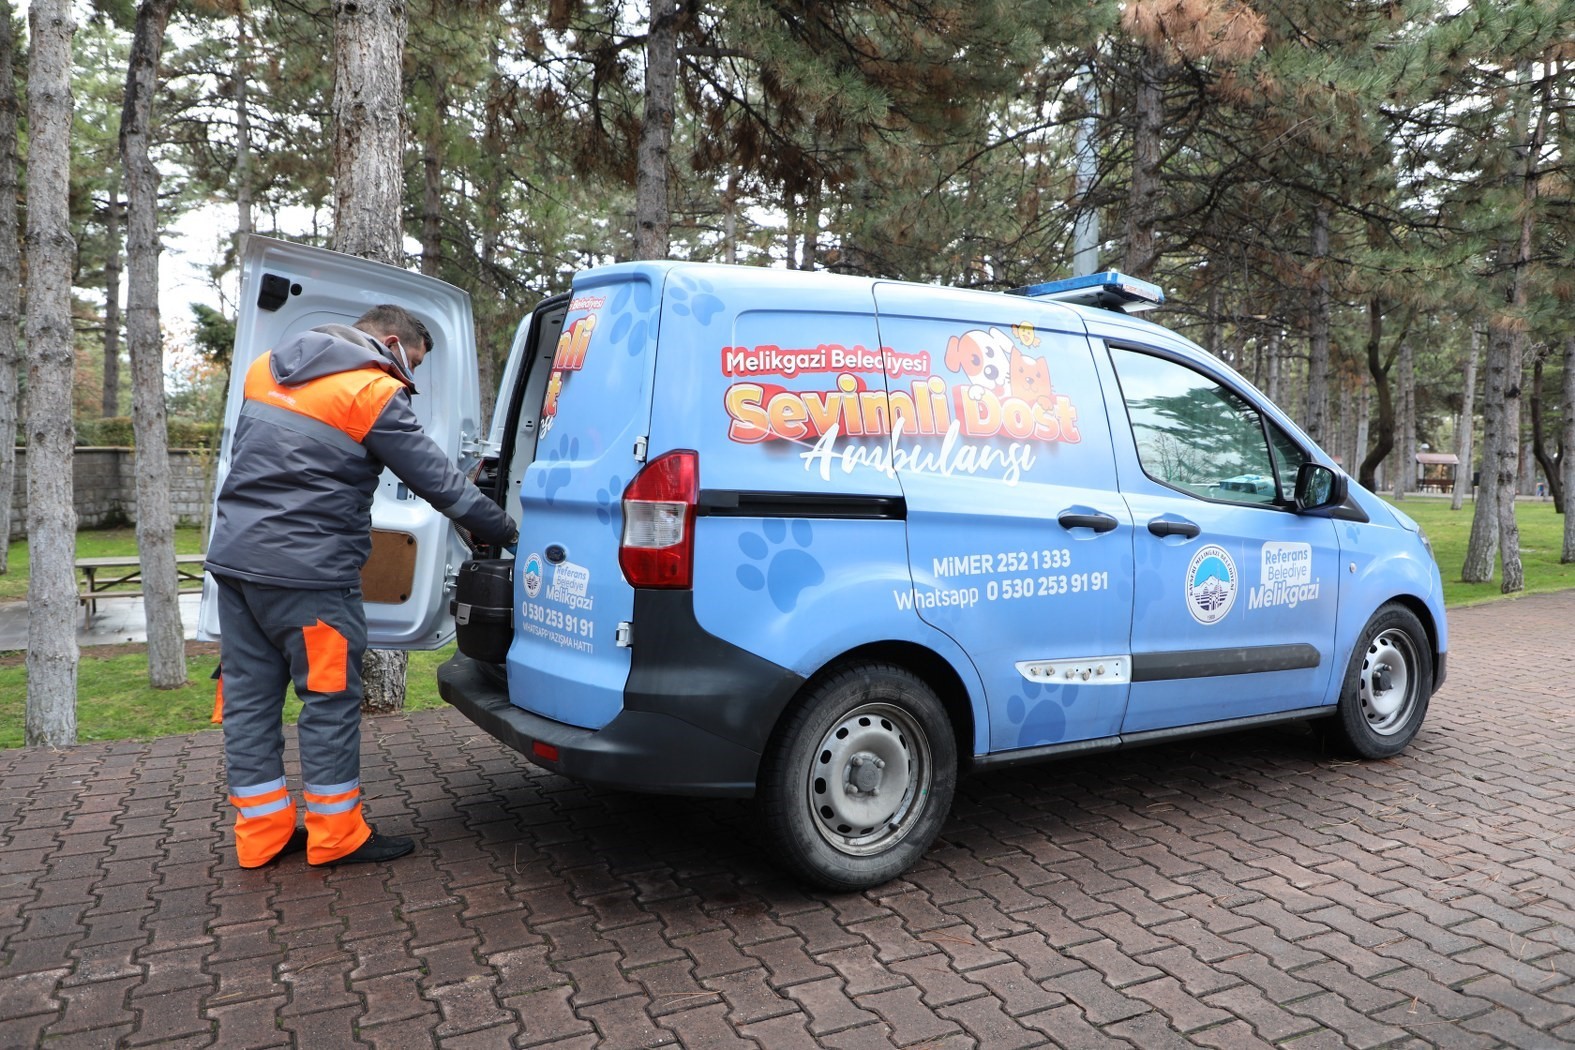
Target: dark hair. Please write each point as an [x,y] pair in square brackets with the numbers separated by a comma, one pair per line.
[389,319]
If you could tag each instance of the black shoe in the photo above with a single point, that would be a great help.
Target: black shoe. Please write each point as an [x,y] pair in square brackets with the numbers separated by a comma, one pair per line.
[296,843]
[373,850]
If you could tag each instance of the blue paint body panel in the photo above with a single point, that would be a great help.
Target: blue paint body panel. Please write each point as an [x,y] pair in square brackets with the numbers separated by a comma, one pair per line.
[900,469]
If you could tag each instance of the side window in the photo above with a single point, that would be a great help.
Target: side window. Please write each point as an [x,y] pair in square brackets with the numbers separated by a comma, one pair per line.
[1198,436]
[1288,457]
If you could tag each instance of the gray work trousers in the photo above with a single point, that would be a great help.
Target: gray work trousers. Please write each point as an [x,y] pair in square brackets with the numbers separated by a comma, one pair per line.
[273,637]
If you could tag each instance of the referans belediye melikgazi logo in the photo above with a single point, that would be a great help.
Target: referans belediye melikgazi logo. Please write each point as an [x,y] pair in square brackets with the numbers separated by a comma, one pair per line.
[1211,585]
[533,575]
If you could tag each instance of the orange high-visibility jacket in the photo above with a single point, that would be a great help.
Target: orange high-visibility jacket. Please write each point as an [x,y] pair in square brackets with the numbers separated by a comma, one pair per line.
[323,415]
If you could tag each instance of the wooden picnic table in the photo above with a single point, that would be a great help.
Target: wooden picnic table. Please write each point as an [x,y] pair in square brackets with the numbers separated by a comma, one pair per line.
[100,577]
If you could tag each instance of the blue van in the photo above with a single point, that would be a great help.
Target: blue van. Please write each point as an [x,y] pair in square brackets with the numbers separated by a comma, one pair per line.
[828,541]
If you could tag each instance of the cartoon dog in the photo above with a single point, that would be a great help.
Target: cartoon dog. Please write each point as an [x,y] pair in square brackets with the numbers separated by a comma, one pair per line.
[984,358]
[1031,379]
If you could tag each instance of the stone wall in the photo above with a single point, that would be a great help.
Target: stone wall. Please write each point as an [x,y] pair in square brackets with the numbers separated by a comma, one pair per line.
[105,487]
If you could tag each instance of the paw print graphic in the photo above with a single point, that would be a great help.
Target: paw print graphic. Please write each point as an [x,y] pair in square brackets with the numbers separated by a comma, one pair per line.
[556,475]
[691,296]
[629,332]
[632,296]
[606,499]
[780,564]
[1040,718]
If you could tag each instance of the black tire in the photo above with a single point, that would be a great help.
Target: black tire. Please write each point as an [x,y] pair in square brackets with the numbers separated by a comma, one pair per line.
[876,728]
[1387,686]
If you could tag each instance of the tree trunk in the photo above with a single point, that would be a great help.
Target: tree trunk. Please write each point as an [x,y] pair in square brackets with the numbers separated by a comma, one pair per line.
[10,281]
[369,40]
[1512,345]
[1143,191]
[51,519]
[1213,326]
[369,45]
[1318,332]
[432,186]
[1539,445]
[1273,364]
[1526,471]
[1467,424]
[243,131]
[493,340]
[1509,350]
[1482,547]
[812,201]
[110,405]
[1364,424]
[1405,468]
[1568,459]
[652,217]
[730,219]
[790,210]
[155,520]
[1386,410]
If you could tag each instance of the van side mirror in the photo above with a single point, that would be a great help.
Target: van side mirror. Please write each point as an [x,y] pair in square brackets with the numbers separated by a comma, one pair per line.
[1318,487]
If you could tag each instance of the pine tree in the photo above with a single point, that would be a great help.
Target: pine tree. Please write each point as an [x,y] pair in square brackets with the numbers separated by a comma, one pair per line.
[155,517]
[51,518]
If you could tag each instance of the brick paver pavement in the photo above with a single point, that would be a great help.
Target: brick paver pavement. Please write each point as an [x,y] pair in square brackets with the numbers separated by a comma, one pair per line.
[1238,891]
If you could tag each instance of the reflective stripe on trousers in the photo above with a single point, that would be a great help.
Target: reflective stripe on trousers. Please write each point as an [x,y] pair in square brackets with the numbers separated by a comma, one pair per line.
[264,820]
[334,824]
[271,638]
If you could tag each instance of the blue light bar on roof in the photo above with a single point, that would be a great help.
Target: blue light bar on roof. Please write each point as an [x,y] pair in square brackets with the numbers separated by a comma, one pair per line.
[1110,290]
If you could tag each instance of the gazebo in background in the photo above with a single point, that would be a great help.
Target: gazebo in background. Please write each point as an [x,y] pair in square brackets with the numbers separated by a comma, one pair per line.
[1435,471]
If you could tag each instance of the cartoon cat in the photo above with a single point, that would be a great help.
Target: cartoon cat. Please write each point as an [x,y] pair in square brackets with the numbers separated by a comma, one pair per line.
[1031,379]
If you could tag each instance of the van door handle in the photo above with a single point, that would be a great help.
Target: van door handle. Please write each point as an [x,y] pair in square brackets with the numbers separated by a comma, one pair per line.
[1170,527]
[1097,521]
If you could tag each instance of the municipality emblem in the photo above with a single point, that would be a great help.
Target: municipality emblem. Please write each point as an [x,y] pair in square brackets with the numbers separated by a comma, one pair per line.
[1211,585]
[533,575]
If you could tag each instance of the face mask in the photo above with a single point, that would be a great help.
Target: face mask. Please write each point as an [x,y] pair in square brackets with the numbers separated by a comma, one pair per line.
[398,351]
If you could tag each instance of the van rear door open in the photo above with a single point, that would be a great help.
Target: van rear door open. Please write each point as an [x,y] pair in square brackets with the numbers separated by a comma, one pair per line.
[288,288]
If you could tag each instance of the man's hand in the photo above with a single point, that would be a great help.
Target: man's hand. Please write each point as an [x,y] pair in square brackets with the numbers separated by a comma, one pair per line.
[512,544]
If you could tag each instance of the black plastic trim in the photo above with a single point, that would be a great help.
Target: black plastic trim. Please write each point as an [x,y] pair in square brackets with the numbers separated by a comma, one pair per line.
[1031,755]
[1168,527]
[1026,756]
[1440,663]
[636,751]
[734,503]
[1350,510]
[697,711]
[511,418]
[1210,663]
[1225,725]
[680,670]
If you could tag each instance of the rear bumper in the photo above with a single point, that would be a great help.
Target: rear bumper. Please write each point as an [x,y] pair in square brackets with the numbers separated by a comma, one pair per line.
[637,751]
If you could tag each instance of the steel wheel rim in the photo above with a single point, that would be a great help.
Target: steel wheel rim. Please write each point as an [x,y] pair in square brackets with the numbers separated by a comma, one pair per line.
[868,779]
[1388,686]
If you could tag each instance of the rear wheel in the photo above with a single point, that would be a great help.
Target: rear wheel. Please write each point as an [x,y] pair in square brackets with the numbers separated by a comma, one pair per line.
[858,779]
[1387,685]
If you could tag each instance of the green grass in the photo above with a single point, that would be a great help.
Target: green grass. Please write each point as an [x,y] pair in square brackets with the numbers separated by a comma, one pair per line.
[115,702]
[1541,541]
[98,543]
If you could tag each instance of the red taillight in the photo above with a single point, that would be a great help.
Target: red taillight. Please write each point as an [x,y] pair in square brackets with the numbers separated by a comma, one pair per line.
[545,751]
[658,545]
